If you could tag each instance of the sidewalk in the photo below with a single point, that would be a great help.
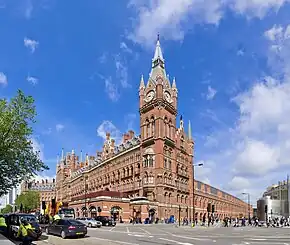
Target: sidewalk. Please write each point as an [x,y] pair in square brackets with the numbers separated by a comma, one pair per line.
[5,241]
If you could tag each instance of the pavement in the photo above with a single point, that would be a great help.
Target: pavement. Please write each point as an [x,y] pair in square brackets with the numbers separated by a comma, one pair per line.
[173,235]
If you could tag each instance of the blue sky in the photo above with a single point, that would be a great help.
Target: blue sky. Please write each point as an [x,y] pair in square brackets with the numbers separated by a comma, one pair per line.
[82,62]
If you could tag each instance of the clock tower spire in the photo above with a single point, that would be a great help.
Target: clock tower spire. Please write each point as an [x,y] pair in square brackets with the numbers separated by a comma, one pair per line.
[158,94]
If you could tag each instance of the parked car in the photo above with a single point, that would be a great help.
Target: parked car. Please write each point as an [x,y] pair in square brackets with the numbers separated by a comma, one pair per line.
[13,222]
[67,228]
[90,222]
[106,220]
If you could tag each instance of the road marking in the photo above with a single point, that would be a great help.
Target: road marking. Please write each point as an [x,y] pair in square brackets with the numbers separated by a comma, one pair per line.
[147,232]
[113,228]
[127,230]
[192,238]
[140,235]
[177,242]
[257,239]
[114,241]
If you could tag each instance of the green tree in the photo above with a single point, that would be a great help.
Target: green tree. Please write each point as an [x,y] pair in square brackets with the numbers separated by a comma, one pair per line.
[7,209]
[18,160]
[30,200]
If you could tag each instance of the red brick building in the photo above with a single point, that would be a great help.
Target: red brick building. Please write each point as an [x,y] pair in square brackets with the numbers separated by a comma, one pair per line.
[150,174]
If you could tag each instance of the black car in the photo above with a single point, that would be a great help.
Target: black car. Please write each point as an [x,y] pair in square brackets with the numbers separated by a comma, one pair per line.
[106,220]
[13,222]
[67,228]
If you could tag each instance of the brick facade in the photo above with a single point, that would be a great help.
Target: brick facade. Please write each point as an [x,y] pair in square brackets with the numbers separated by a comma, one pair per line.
[146,175]
[45,187]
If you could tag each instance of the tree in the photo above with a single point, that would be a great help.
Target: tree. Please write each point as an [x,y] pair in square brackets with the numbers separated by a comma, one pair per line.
[30,200]
[18,160]
[7,209]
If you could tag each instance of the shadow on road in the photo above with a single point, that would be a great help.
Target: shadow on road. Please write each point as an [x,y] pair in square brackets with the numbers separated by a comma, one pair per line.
[18,241]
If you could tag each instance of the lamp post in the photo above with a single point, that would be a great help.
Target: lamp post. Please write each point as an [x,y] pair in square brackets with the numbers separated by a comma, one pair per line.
[85,180]
[193,203]
[249,205]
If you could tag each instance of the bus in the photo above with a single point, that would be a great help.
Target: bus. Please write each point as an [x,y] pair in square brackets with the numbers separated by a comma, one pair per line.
[66,213]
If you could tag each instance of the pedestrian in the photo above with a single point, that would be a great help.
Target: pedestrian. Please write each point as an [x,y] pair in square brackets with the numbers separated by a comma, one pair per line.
[56,217]
[3,225]
[24,232]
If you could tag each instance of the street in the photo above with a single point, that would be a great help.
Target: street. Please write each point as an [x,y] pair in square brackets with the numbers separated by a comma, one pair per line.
[172,235]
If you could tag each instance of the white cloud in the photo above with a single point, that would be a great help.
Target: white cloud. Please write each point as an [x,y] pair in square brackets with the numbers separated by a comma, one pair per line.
[256,8]
[108,127]
[130,120]
[125,48]
[3,79]
[59,127]
[28,8]
[47,131]
[32,80]
[111,89]
[38,147]
[211,92]
[170,17]
[239,184]
[257,149]
[31,44]
[121,72]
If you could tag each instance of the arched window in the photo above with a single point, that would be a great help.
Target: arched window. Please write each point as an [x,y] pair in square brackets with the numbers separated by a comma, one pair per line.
[147,128]
[169,164]
[151,161]
[165,126]
[170,129]
[153,126]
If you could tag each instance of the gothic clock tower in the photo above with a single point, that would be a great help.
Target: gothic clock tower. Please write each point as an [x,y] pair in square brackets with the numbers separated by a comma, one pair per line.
[163,144]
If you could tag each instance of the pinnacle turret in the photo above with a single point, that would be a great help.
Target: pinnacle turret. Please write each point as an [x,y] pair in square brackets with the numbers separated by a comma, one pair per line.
[189,131]
[142,84]
[158,56]
[173,83]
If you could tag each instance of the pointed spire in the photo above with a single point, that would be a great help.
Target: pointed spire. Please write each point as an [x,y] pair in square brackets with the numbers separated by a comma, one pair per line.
[62,154]
[158,52]
[173,83]
[142,84]
[189,130]
[181,122]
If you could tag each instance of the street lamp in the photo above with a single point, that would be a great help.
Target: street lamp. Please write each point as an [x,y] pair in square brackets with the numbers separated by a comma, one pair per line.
[85,180]
[249,205]
[193,203]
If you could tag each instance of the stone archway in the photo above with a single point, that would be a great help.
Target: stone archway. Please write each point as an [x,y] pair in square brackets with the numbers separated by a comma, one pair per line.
[115,212]
[84,211]
[151,214]
[93,211]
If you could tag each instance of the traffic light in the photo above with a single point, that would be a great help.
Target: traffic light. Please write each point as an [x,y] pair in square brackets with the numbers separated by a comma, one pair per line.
[212,208]
[266,209]
[21,207]
[209,207]
[99,209]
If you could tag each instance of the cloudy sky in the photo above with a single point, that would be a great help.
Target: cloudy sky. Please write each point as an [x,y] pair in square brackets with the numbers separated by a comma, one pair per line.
[82,61]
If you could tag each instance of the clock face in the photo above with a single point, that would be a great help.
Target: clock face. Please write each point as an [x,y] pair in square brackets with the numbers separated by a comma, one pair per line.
[149,96]
[167,97]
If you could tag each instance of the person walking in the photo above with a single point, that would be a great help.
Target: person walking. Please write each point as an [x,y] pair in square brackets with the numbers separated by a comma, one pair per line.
[3,225]
[56,217]
[23,232]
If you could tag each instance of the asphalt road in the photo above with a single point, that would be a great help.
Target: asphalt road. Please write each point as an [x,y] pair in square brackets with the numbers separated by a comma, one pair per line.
[171,235]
